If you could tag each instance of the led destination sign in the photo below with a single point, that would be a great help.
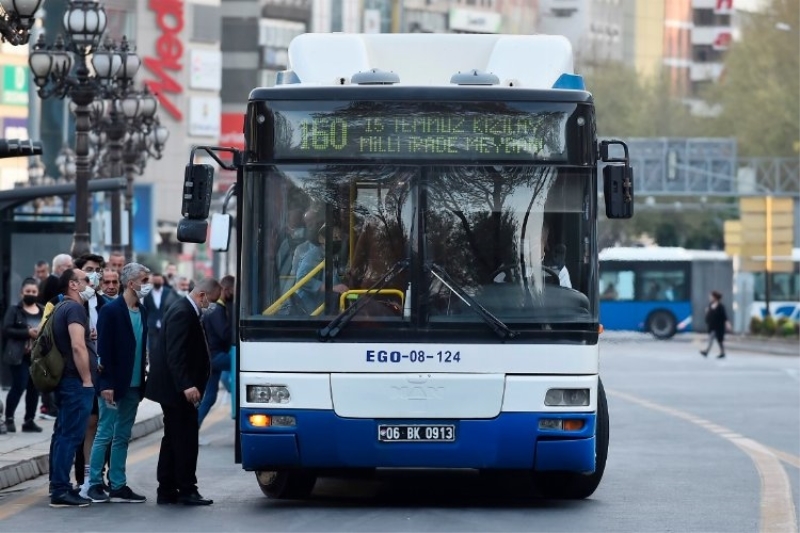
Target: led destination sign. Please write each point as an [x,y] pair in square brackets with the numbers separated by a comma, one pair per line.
[484,130]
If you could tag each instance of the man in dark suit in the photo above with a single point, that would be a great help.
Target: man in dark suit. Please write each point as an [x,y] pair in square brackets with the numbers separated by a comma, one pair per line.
[178,375]
[156,303]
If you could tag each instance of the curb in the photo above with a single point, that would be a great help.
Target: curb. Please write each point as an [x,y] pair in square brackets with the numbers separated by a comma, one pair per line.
[40,465]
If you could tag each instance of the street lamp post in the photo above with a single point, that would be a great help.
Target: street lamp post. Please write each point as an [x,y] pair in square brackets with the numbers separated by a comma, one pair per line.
[146,140]
[53,74]
[16,20]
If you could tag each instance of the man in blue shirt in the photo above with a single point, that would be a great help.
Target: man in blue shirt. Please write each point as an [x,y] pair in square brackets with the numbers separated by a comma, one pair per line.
[121,344]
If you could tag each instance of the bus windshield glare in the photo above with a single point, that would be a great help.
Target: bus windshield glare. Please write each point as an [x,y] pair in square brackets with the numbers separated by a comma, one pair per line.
[507,238]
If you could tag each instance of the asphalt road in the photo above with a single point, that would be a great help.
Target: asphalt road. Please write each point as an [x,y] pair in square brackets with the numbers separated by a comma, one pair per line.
[696,445]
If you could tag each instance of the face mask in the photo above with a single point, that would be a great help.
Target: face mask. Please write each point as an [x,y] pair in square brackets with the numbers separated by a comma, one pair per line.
[144,290]
[157,286]
[182,293]
[94,277]
[299,233]
[87,293]
[29,299]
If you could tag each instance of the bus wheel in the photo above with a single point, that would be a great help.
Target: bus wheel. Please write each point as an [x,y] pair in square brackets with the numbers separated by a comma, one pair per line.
[573,485]
[286,484]
[662,324]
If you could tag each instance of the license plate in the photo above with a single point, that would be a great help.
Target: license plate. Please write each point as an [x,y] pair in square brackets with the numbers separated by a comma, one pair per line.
[417,433]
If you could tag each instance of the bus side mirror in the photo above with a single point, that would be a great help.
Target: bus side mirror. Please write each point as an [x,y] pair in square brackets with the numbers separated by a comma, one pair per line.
[198,182]
[618,191]
[220,232]
[191,230]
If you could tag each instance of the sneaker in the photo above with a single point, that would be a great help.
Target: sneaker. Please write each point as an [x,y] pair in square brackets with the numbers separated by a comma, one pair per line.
[46,416]
[3,428]
[11,427]
[704,353]
[96,494]
[721,356]
[69,499]
[126,495]
[29,426]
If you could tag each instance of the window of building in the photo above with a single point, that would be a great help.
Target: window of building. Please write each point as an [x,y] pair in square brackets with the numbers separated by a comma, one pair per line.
[707,17]
[705,53]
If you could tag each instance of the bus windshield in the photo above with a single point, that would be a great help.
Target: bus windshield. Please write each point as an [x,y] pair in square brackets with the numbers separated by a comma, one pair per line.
[508,240]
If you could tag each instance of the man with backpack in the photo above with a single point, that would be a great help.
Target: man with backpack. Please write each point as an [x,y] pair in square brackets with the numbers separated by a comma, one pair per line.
[75,391]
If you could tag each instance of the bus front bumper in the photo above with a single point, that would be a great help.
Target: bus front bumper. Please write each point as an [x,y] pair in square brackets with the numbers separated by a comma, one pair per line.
[320,439]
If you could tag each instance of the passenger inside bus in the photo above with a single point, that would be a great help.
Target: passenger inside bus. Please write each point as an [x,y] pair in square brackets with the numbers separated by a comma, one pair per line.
[610,293]
[312,293]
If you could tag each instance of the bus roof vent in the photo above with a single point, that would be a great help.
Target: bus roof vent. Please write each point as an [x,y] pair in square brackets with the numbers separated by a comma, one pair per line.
[286,77]
[375,76]
[474,77]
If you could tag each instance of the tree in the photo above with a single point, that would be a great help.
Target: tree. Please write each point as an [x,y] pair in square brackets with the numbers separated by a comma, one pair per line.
[759,91]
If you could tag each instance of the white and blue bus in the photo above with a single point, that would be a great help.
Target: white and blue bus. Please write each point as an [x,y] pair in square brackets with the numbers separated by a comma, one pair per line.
[784,294]
[417,261]
[661,290]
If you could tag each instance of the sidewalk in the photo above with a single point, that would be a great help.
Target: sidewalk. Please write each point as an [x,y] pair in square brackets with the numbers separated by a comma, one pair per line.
[24,456]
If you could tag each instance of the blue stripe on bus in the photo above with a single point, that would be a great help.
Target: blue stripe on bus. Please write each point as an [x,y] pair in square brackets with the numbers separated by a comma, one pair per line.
[321,439]
[633,316]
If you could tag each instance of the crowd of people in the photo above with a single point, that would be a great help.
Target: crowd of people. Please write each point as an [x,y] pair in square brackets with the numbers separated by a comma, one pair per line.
[126,333]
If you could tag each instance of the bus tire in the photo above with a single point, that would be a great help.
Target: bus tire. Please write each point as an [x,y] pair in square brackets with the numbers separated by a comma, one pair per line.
[662,324]
[286,484]
[574,485]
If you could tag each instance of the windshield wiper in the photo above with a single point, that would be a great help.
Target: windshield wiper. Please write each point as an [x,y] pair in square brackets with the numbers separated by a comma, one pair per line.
[341,320]
[497,325]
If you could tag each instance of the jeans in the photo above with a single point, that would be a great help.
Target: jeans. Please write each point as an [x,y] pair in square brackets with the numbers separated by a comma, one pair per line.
[75,404]
[21,382]
[114,427]
[219,363]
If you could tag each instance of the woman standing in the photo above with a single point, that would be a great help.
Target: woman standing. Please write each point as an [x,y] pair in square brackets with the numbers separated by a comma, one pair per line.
[20,328]
[717,322]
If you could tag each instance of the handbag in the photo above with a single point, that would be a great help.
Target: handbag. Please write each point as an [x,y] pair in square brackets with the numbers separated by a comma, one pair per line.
[14,352]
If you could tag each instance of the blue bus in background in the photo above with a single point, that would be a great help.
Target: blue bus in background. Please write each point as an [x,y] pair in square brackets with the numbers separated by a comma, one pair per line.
[660,290]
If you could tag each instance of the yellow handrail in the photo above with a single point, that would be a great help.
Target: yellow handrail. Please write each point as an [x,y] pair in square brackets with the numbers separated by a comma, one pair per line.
[392,292]
[272,309]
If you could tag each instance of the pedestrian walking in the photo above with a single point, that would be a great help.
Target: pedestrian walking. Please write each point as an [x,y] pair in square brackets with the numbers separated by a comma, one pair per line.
[179,372]
[20,328]
[217,325]
[121,342]
[717,322]
[75,392]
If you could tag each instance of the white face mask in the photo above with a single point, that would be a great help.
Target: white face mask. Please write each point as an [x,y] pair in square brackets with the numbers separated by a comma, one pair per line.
[94,277]
[144,290]
[87,293]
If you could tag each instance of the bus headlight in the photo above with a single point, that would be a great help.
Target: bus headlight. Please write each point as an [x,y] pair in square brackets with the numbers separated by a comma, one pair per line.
[566,397]
[268,394]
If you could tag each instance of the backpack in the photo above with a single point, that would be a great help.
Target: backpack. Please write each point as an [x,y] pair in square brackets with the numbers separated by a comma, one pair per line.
[47,363]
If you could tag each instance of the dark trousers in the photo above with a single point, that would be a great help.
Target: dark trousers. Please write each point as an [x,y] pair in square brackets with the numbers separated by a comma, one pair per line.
[21,382]
[177,462]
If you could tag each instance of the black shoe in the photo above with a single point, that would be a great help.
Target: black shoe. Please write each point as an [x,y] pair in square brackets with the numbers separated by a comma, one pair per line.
[97,494]
[11,427]
[69,499]
[125,495]
[167,500]
[721,356]
[194,499]
[704,353]
[29,426]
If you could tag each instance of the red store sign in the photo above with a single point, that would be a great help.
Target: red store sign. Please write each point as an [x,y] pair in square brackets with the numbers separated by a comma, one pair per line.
[166,66]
